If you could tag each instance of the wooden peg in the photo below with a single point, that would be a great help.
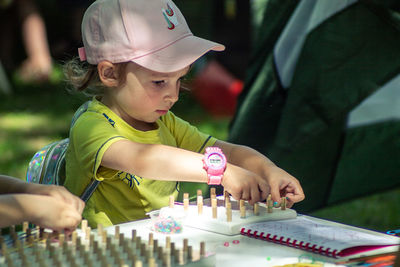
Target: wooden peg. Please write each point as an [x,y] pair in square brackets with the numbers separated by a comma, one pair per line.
[155,245]
[121,239]
[199,204]
[226,194]
[269,204]
[74,237]
[104,235]
[202,249]
[150,243]
[171,201]
[100,228]
[61,239]
[84,224]
[151,262]
[241,203]
[227,198]
[256,209]
[199,192]
[190,254]
[185,244]
[167,242]
[138,242]
[179,256]
[108,243]
[283,203]
[25,226]
[228,212]
[166,259]
[37,232]
[143,249]
[116,232]
[134,234]
[212,193]
[160,252]
[87,232]
[151,239]
[214,208]
[242,209]
[185,201]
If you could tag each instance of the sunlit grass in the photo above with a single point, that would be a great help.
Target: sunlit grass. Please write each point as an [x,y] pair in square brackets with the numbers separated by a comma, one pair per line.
[23,133]
[24,122]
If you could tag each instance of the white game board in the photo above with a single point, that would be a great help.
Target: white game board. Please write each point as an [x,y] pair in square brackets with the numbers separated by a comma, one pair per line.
[220,224]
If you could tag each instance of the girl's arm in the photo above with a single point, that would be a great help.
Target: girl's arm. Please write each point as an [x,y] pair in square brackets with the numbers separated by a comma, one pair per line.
[161,162]
[281,183]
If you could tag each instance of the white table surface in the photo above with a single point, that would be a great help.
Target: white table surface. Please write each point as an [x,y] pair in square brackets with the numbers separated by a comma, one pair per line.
[225,250]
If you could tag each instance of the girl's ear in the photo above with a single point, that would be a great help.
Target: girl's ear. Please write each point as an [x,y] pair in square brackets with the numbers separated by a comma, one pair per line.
[108,73]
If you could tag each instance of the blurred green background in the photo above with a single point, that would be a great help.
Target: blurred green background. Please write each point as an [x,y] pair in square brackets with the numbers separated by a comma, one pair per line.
[35,115]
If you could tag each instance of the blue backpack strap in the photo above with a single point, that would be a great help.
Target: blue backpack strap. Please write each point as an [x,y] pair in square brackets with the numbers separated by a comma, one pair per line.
[89,190]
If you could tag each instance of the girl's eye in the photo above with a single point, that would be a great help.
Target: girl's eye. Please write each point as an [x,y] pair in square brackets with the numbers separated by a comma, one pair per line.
[159,82]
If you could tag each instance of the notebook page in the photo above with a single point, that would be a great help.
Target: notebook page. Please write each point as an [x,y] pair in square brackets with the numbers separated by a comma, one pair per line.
[317,233]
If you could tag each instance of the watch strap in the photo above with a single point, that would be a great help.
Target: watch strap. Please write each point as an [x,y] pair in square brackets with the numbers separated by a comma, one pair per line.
[214,179]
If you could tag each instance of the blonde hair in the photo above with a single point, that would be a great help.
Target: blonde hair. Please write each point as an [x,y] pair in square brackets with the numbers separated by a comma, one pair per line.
[84,77]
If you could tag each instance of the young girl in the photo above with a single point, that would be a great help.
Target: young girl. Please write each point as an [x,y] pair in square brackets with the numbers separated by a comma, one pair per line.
[137,52]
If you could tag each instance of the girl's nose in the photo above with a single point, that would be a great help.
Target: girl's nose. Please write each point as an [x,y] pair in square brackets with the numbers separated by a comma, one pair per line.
[173,94]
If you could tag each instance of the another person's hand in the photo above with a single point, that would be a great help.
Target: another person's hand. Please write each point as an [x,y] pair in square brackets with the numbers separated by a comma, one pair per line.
[52,212]
[58,192]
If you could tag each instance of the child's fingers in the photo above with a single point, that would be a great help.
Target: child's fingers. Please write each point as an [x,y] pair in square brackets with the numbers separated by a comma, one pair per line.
[255,195]
[264,192]
[275,194]
[295,197]
[71,219]
[245,195]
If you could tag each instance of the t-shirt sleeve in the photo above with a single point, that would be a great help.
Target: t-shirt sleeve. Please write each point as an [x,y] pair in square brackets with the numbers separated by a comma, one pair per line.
[90,137]
[186,135]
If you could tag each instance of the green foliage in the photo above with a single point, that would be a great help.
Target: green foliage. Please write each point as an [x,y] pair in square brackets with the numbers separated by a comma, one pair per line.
[380,212]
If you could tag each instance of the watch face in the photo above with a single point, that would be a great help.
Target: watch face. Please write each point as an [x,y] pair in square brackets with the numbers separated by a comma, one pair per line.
[215,160]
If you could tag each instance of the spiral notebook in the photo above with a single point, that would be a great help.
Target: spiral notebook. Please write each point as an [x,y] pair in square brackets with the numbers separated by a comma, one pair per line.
[323,237]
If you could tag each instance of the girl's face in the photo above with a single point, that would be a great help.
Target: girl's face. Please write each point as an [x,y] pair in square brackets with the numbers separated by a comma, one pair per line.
[144,96]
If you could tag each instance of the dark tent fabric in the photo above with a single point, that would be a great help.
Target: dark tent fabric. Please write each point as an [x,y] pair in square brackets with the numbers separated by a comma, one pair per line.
[303,127]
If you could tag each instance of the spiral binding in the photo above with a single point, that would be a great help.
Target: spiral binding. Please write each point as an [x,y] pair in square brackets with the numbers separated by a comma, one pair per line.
[287,242]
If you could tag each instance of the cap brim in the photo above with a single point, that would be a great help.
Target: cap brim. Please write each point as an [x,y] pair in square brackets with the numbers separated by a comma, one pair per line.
[178,54]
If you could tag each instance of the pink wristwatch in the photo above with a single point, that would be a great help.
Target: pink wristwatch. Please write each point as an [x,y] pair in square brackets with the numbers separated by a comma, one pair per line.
[214,162]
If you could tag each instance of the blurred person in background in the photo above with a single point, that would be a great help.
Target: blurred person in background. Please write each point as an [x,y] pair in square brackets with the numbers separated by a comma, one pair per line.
[22,19]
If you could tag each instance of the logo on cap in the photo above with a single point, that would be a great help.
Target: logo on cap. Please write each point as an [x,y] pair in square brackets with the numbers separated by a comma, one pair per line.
[170,17]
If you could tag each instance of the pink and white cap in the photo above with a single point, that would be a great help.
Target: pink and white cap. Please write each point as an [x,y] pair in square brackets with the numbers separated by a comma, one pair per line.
[151,33]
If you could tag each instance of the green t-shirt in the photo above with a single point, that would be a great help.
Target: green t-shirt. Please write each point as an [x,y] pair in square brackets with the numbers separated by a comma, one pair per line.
[121,196]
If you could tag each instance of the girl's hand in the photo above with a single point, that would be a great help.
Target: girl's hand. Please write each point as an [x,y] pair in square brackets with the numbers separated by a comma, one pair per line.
[243,184]
[282,184]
